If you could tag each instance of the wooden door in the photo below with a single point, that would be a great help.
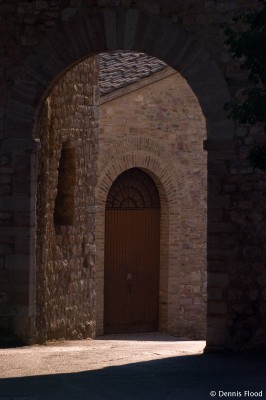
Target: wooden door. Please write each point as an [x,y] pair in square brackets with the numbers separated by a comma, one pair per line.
[132,254]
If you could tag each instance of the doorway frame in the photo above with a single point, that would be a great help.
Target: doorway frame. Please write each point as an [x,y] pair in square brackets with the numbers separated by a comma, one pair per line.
[170,183]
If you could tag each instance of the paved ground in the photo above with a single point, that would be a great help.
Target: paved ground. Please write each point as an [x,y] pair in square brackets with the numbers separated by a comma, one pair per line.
[150,367]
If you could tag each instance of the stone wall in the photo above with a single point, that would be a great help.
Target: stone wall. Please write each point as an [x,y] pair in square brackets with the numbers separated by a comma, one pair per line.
[236,219]
[157,124]
[65,212]
[39,42]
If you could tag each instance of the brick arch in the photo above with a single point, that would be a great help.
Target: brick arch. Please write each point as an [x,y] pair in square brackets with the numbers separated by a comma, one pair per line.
[172,188]
[85,35]
[148,161]
[146,153]
[133,189]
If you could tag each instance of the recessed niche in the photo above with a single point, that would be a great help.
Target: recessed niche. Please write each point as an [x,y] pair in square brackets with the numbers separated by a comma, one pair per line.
[64,202]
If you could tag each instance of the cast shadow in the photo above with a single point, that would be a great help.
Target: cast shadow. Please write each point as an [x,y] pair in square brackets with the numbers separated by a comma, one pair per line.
[191,377]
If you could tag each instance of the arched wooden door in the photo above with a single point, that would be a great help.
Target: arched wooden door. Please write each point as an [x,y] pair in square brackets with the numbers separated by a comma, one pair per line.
[132,254]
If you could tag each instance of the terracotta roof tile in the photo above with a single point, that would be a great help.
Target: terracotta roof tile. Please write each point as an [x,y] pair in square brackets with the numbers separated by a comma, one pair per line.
[119,69]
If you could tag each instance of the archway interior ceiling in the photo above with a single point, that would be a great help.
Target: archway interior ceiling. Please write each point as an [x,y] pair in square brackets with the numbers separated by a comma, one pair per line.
[129,29]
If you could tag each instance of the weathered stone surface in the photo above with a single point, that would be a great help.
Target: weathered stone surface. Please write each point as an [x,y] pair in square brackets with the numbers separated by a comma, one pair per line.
[70,42]
[147,131]
[65,285]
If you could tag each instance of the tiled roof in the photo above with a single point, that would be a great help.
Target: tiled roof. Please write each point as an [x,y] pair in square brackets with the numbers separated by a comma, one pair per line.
[119,69]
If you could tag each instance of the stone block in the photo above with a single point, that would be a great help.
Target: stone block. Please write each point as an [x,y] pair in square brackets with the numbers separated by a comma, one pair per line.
[131,20]
[215,294]
[217,308]
[23,327]
[22,279]
[23,174]
[68,13]
[219,201]
[218,279]
[5,179]
[162,46]
[7,8]
[15,203]
[5,249]
[96,33]
[22,246]
[243,309]
[28,41]
[221,227]
[221,130]
[19,111]
[110,29]
[251,252]
[20,188]
[216,266]
[41,5]
[18,262]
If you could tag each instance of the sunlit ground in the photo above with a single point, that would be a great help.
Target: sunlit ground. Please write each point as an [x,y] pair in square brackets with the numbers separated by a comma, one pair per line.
[75,356]
[132,367]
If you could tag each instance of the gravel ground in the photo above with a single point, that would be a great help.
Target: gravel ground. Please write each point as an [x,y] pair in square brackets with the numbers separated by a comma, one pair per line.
[148,366]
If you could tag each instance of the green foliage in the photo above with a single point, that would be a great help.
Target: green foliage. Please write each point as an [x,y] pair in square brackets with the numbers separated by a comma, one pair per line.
[246,39]
[257,157]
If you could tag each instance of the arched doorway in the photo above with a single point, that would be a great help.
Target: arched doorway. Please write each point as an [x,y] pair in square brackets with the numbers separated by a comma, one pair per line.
[92,33]
[132,254]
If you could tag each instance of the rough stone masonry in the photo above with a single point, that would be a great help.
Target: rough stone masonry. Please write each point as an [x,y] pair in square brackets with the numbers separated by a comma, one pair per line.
[39,42]
[65,252]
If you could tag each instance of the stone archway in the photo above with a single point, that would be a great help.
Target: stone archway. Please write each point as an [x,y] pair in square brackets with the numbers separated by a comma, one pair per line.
[83,36]
[66,46]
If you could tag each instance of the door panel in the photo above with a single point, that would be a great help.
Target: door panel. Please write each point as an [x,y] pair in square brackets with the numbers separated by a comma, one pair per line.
[131,283]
